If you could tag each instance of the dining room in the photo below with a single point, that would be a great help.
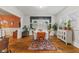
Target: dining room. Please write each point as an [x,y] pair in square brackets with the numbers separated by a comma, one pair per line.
[39,29]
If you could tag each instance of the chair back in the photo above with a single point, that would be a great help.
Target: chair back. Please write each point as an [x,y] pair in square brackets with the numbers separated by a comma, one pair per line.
[41,35]
[5,43]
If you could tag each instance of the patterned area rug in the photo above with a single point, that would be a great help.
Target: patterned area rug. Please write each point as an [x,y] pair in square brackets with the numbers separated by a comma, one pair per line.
[45,45]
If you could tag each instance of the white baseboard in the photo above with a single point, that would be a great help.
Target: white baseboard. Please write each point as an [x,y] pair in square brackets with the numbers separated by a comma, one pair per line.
[76,44]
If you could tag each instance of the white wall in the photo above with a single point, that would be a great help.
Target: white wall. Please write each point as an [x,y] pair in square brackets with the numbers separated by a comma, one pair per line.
[53,20]
[26,20]
[16,12]
[73,14]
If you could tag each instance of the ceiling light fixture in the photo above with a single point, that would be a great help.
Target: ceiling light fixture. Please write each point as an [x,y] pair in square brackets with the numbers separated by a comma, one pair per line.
[41,6]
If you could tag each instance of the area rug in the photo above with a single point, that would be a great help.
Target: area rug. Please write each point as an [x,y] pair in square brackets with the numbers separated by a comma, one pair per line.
[45,45]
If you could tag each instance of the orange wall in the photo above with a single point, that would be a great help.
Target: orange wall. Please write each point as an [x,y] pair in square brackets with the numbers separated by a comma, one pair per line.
[10,21]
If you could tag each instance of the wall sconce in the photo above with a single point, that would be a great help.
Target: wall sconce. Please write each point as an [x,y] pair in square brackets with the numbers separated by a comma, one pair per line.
[12,23]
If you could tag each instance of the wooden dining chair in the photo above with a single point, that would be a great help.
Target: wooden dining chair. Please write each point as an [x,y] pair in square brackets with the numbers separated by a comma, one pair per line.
[41,36]
[5,43]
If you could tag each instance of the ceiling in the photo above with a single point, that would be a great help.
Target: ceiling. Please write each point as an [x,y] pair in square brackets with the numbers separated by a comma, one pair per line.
[3,12]
[40,10]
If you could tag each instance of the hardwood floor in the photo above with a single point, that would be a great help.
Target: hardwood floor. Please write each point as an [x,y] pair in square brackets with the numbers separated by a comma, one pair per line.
[21,46]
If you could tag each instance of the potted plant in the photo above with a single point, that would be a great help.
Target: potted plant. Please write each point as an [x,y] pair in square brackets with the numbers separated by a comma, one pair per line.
[69,25]
[55,27]
[65,27]
[60,27]
[49,27]
[25,31]
[25,28]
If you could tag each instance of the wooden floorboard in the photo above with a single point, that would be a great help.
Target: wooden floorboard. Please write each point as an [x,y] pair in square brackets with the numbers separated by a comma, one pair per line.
[21,46]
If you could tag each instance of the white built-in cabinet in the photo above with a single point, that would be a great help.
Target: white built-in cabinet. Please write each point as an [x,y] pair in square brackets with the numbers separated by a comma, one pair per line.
[65,35]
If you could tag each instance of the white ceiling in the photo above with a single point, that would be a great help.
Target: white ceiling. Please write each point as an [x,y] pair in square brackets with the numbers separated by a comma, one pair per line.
[36,10]
[3,12]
